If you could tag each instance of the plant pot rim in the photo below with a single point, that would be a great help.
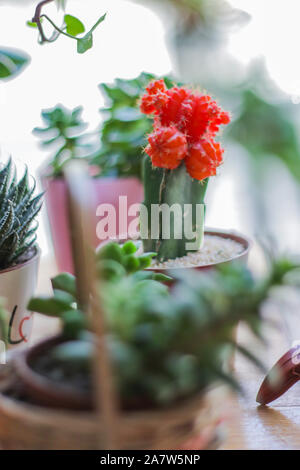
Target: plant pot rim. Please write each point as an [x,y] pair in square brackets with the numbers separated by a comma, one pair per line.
[52,395]
[46,426]
[25,263]
[234,235]
[45,391]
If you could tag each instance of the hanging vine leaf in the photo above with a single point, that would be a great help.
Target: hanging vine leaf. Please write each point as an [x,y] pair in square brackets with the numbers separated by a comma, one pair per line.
[85,43]
[71,28]
[74,25]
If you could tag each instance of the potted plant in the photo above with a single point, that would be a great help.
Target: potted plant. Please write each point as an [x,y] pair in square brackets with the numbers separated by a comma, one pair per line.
[19,253]
[115,163]
[166,348]
[182,154]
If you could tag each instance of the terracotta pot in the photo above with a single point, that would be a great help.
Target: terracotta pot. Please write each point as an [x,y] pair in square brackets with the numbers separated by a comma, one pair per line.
[105,190]
[17,286]
[198,423]
[42,390]
[39,391]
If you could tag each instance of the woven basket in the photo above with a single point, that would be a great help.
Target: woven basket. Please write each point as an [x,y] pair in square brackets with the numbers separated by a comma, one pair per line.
[193,424]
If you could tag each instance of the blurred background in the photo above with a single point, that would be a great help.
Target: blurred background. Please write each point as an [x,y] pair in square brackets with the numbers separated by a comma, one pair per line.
[243,52]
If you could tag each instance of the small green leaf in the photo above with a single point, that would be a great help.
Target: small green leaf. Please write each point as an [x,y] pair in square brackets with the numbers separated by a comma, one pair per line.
[111,251]
[145,261]
[131,263]
[85,43]
[65,282]
[74,322]
[159,277]
[31,24]
[129,247]
[48,306]
[74,25]
[110,269]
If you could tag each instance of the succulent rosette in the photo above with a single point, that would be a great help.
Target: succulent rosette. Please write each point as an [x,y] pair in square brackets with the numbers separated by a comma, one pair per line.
[185,126]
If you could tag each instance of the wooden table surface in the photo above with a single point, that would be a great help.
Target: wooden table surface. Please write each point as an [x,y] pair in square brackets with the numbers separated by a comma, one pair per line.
[251,426]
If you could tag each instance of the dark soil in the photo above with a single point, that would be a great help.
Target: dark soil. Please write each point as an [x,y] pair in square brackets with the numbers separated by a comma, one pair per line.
[74,379]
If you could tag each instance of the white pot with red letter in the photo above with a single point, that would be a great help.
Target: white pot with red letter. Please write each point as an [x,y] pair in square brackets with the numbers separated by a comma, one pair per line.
[17,286]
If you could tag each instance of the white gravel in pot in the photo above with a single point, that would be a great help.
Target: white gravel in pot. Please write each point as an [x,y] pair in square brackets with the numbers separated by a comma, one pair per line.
[214,250]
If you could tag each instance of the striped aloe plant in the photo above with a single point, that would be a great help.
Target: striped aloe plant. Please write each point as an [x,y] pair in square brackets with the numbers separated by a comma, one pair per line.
[18,209]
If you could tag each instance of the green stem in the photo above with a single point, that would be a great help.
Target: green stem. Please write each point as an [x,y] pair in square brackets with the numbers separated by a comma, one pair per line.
[58,29]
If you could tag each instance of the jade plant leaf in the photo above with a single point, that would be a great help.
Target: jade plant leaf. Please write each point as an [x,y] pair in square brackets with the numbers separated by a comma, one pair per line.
[74,322]
[114,259]
[65,282]
[63,131]
[52,307]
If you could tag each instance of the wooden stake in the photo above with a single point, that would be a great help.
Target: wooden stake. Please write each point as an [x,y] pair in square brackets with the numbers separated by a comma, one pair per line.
[80,209]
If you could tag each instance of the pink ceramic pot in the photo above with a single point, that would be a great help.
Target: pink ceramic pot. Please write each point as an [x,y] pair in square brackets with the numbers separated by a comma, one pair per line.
[105,190]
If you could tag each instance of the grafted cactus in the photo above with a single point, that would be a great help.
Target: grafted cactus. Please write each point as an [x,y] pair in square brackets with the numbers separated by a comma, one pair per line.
[183,155]
[183,199]
[18,209]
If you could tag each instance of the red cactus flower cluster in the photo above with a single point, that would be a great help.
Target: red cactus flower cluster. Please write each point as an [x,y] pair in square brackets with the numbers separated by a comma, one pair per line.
[185,124]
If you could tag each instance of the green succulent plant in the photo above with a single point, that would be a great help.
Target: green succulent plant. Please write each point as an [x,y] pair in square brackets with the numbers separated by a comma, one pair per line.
[266,129]
[12,62]
[125,128]
[115,261]
[63,131]
[122,135]
[18,209]
[164,345]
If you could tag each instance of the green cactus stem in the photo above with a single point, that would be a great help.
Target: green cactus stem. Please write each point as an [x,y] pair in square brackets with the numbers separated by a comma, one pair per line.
[174,191]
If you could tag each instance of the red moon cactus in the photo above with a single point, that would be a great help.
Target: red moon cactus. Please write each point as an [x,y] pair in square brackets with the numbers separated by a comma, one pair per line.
[185,124]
